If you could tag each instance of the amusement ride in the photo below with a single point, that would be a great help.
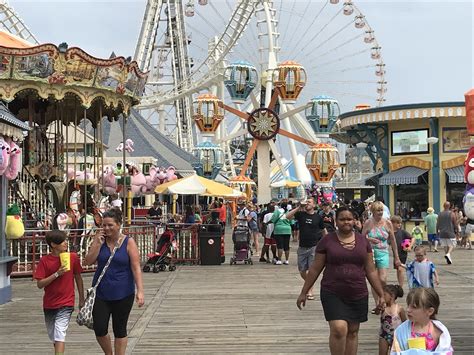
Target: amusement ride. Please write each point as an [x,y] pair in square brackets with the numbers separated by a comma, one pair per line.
[189,82]
[222,82]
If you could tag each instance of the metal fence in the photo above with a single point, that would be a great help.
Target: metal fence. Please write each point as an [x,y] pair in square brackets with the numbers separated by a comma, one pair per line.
[32,246]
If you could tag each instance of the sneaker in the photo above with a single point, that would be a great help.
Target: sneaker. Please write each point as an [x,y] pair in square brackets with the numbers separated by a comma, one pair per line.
[262,260]
[448,259]
[278,262]
[436,250]
[286,262]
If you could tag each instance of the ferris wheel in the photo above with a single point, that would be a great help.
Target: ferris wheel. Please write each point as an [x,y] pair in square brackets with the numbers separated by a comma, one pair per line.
[331,46]
[11,22]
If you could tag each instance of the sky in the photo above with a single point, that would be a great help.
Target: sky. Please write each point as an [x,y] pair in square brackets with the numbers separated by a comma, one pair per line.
[427,45]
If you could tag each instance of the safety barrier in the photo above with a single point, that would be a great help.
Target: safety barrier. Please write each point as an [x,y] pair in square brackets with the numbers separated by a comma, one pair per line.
[186,237]
[32,246]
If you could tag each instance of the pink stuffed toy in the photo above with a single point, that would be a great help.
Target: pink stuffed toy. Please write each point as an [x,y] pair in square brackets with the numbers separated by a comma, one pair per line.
[152,181]
[5,155]
[469,167]
[138,181]
[170,174]
[119,147]
[129,146]
[108,179]
[15,159]
[161,175]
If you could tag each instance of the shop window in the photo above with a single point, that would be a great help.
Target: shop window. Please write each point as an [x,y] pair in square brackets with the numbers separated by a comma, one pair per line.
[146,168]
[412,199]
[89,150]
[455,193]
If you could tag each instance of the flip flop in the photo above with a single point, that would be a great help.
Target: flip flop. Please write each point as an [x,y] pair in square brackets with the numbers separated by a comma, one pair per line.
[310,297]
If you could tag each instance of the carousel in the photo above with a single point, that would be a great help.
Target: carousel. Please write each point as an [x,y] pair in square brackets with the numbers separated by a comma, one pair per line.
[63,94]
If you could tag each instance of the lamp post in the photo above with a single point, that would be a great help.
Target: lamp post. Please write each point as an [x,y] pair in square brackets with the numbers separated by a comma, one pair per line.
[433,140]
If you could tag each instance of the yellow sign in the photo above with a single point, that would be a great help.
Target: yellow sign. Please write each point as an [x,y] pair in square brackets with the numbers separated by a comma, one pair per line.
[451,163]
[422,164]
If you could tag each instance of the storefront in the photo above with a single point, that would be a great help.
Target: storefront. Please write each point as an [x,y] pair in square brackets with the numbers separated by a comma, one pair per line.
[420,148]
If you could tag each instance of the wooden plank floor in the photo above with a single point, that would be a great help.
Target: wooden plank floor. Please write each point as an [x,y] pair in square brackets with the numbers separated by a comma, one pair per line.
[230,309]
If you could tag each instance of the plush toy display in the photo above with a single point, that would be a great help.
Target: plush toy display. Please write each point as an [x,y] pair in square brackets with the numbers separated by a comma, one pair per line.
[469,167]
[14,228]
[4,155]
[15,160]
[468,199]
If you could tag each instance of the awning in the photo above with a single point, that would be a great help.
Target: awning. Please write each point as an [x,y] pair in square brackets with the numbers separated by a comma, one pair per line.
[185,173]
[403,176]
[372,180]
[456,174]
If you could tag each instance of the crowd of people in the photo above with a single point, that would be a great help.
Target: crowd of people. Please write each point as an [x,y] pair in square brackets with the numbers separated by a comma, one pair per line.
[349,244]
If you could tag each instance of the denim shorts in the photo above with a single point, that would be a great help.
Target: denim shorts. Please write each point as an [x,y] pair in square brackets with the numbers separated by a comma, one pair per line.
[305,257]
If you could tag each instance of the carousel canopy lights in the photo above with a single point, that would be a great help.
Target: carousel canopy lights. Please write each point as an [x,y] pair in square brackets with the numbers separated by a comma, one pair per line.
[208,160]
[240,78]
[289,79]
[323,113]
[322,160]
[208,115]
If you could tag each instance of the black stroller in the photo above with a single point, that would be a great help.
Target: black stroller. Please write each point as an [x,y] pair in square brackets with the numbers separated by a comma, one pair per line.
[163,257]
[241,238]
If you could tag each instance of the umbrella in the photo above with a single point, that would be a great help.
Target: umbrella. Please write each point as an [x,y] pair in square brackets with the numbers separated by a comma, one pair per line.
[196,185]
[286,183]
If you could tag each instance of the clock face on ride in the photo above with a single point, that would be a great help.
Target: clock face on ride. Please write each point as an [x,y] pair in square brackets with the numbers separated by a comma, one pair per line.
[263,124]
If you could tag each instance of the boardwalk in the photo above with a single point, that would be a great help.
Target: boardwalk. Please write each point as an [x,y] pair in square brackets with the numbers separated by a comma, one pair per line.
[230,309]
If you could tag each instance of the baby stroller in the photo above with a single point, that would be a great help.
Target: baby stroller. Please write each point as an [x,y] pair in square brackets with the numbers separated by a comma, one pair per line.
[241,239]
[159,260]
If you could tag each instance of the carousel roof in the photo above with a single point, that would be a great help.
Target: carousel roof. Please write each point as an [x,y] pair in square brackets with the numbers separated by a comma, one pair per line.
[10,40]
[147,142]
[70,78]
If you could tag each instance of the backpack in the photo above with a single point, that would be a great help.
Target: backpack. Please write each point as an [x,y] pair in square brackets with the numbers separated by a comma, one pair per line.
[417,232]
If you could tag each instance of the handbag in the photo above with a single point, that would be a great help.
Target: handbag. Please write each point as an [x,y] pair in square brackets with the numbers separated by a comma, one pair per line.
[84,317]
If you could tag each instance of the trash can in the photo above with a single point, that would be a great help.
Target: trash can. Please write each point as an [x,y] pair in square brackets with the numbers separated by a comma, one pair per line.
[210,244]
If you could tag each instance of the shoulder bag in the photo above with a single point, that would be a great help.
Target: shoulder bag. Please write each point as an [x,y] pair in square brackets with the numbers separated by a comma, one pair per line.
[84,317]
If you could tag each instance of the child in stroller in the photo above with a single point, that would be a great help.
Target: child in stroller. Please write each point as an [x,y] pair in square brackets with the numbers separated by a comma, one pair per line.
[241,238]
[159,260]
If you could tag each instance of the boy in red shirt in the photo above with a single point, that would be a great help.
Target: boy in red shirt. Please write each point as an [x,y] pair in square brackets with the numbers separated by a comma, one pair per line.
[58,284]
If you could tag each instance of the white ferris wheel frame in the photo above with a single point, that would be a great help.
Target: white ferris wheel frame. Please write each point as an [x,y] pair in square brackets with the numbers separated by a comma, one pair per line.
[212,80]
